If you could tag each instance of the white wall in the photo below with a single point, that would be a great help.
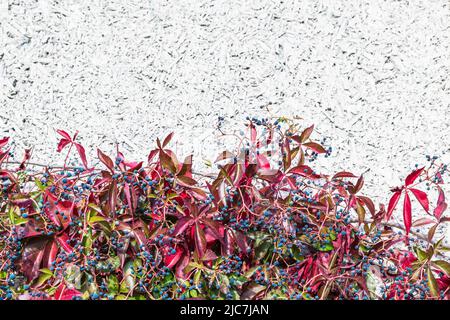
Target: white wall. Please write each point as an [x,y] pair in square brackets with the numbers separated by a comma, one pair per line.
[372,75]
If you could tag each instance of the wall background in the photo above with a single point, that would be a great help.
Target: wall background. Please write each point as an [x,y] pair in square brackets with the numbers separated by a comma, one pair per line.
[372,75]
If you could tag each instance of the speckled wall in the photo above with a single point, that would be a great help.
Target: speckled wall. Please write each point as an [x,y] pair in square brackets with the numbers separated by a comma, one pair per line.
[372,75]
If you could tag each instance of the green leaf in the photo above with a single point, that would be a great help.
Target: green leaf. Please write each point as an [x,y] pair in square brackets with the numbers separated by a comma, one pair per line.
[250,272]
[432,283]
[95,219]
[168,279]
[225,283]
[113,284]
[374,282]
[333,236]
[39,184]
[114,261]
[193,293]
[46,271]
[51,291]
[208,163]
[442,265]
[106,227]
[325,247]
[240,280]
[421,254]
[87,242]
[20,220]
[43,277]
[262,250]
[197,276]
[11,215]
[171,196]
[297,254]
[73,275]
[95,207]
[364,248]
[14,216]
[129,278]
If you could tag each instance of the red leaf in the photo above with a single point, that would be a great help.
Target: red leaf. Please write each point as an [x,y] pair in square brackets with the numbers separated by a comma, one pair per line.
[368,203]
[228,241]
[413,176]
[50,209]
[214,228]
[152,154]
[179,272]
[3,142]
[64,293]
[186,181]
[62,240]
[63,207]
[32,254]
[315,147]
[439,178]
[209,255]
[182,224]
[344,174]
[263,162]
[392,204]
[112,196]
[441,205]
[106,160]
[127,190]
[241,241]
[26,157]
[64,134]
[305,171]
[359,184]
[158,143]
[186,167]
[167,139]
[82,154]
[224,155]
[167,162]
[423,221]
[407,215]
[51,251]
[134,165]
[306,133]
[62,144]
[140,237]
[170,260]
[4,155]
[422,198]
[200,240]
[252,133]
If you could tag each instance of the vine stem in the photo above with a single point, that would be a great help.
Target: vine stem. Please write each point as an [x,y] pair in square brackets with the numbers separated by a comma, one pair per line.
[69,168]
[416,234]
[399,226]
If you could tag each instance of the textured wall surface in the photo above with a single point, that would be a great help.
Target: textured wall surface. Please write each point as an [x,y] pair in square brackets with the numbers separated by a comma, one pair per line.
[372,75]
